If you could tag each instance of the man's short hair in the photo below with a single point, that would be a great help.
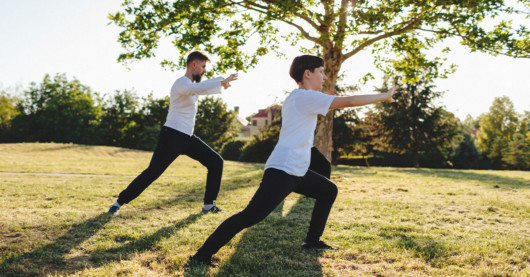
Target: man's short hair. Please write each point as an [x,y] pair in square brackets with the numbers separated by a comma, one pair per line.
[196,55]
[302,63]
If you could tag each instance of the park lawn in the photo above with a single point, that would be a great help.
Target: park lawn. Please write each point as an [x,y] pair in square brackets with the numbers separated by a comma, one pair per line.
[386,221]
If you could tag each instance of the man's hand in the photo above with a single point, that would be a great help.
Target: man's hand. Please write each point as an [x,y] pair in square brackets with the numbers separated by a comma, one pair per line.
[226,82]
[391,93]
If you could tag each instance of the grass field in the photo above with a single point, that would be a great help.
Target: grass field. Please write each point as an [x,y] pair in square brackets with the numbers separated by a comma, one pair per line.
[386,221]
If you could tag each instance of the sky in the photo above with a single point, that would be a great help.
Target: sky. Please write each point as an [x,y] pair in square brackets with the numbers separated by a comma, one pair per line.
[39,37]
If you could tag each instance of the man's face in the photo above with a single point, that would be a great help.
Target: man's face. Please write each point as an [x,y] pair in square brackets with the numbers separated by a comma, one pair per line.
[316,78]
[199,68]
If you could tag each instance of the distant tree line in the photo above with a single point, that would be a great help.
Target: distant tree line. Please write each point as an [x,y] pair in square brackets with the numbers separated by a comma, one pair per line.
[413,131]
[62,110]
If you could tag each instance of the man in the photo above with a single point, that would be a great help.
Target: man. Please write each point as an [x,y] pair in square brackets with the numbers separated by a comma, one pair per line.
[289,167]
[176,136]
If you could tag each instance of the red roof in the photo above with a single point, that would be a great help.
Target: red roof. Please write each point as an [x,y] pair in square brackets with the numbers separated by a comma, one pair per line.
[265,112]
[261,113]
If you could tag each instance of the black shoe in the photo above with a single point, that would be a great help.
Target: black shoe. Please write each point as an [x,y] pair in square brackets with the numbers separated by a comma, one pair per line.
[200,260]
[213,209]
[113,210]
[319,245]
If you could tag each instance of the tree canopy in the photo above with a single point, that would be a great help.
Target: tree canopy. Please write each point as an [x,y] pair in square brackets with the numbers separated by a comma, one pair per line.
[215,124]
[56,110]
[239,32]
[497,130]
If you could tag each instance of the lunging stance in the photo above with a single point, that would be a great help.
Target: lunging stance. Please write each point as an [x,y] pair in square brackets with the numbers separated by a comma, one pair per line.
[288,167]
[176,136]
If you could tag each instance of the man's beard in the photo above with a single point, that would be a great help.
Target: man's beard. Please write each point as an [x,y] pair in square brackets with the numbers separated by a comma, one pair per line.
[196,77]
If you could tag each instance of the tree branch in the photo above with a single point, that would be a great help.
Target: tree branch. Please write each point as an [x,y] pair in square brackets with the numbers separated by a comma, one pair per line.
[308,20]
[363,45]
[301,15]
[343,15]
[312,14]
[328,11]
[255,7]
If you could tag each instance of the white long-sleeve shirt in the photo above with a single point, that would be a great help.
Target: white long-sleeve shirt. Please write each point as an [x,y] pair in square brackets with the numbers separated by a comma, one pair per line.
[183,102]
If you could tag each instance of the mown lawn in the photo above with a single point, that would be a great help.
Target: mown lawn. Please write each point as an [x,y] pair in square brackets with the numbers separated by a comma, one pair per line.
[386,221]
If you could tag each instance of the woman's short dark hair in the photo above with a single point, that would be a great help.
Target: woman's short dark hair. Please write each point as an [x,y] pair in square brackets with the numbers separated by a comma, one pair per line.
[197,55]
[302,63]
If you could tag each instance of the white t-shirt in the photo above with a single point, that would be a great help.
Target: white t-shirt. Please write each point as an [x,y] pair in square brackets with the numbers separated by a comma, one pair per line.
[300,111]
[183,102]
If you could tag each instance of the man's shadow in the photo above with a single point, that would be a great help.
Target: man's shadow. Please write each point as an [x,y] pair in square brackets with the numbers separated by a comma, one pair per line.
[131,247]
[51,257]
[273,247]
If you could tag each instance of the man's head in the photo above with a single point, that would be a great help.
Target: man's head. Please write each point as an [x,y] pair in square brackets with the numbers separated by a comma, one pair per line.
[196,63]
[308,70]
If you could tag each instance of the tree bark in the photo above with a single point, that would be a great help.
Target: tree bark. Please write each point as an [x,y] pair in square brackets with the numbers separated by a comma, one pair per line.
[324,130]
[416,159]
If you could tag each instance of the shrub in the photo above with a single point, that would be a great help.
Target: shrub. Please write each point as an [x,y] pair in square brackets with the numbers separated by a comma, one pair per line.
[232,149]
[260,146]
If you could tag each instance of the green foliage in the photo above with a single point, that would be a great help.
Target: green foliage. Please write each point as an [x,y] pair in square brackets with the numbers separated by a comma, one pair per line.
[56,110]
[152,115]
[260,146]
[466,154]
[214,123]
[132,122]
[8,111]
[517,155]
[232,149]
[119,109]
[240,32]
[345,132]
[225,27]
[386,221]
[414,124]
[497,128]
[345,135]
[471,123]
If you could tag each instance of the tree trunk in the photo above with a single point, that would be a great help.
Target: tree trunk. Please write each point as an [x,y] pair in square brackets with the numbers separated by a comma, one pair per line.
[324,131]
[416,159]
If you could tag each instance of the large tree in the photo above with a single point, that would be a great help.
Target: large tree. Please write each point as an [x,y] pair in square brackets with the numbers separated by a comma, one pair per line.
[340,29]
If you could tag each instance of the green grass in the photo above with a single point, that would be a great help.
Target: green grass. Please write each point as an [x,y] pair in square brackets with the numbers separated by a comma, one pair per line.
[386,221]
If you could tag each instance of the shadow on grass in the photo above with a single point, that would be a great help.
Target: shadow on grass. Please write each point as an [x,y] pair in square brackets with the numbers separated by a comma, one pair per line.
[49,147]
[195,193]
[273,247]
[131,247]
[51,258]
[487,178]
[422,246]
[363,171]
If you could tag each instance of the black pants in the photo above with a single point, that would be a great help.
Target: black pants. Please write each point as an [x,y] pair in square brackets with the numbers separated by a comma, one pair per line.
[172,143]
[274,188]
[319,163]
